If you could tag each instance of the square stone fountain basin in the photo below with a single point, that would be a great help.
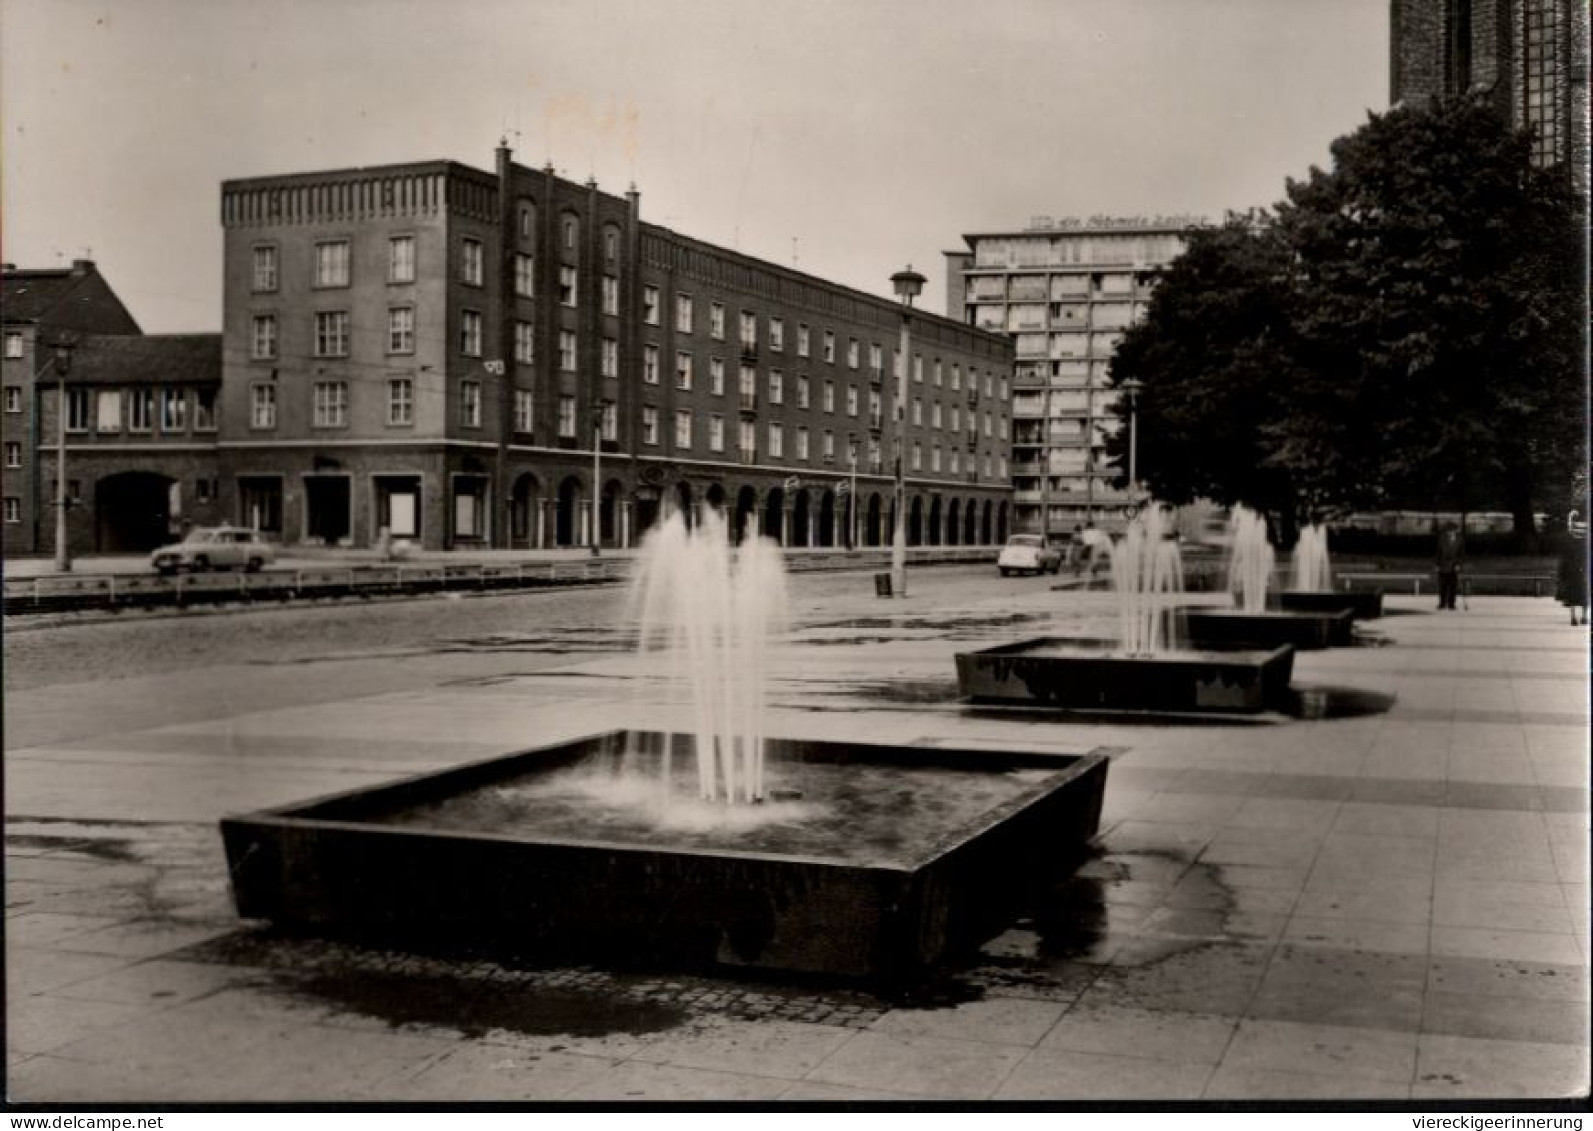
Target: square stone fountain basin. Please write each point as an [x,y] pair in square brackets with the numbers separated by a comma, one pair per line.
[891,859]
[1229,628]
[1085,674]
[1364,604]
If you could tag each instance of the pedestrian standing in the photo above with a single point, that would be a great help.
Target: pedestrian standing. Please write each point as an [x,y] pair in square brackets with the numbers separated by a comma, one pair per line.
[1451,556]
[1096,547]
[1570,587]
[1076,549]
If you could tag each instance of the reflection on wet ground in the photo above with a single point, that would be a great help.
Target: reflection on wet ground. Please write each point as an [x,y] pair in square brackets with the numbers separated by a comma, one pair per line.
[937,624]
[904,690]
[453,1000]
[1314,703]
[1305,702]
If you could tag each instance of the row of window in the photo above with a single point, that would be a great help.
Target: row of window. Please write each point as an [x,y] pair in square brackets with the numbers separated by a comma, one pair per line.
[329,402]
[332,334]
[332,341]
[134,410]
[685,317]
[332,268]
[330,409]
[747,442]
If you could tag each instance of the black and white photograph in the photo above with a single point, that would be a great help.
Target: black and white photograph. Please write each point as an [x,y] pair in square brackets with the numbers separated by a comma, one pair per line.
[873,556]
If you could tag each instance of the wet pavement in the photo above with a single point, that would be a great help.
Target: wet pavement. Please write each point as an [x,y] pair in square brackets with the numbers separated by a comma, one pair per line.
[1380,894]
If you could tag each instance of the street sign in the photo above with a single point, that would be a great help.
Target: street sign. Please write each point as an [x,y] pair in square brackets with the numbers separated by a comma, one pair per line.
[494,368]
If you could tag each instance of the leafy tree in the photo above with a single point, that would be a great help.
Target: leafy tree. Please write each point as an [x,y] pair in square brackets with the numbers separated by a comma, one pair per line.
[1213,353]
[1403,330]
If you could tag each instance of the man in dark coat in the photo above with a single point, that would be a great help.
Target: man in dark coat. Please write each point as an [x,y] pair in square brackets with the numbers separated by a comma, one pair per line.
[1571,584]
[1451,555]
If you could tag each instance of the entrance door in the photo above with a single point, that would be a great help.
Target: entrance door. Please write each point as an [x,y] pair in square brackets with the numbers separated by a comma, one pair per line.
[260,503]
[328,504]
[133,511]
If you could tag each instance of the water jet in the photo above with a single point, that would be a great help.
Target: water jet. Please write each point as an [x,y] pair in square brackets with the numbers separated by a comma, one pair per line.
[1313,592]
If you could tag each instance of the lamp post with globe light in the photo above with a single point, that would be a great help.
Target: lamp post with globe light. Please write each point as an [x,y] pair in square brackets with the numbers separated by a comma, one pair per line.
[597,479]
[908,285]
[1133,387]
[851,499]
[63,365]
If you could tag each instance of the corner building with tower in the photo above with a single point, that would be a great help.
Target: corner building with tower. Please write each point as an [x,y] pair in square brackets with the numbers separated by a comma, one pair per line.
[469,359]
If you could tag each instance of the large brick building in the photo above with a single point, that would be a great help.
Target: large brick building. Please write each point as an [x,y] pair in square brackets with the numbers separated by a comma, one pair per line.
[1528,57]
[140,425]
[433,350]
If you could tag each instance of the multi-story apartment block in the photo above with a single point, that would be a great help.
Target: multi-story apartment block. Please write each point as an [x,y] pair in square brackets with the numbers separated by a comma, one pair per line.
[469,358]
[1065,290]
[140,423]
[1528,57]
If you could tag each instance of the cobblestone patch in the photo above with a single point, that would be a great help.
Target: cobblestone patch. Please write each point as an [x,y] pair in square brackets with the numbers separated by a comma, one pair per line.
[476,994]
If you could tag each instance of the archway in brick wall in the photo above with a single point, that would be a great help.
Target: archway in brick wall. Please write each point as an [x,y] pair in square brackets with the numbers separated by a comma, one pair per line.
[132,512]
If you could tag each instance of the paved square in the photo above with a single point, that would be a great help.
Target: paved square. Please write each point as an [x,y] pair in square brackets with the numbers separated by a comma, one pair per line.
[1389,901]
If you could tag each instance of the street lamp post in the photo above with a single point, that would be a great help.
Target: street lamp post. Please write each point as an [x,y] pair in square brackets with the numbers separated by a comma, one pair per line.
[851,500]
[1089,445]
[63,363]
[908,284]
[597,479]
[1132,387]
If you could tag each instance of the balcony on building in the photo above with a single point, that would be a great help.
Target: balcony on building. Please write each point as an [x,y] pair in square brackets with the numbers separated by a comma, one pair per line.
[749,402]
[876,420]
[876,375]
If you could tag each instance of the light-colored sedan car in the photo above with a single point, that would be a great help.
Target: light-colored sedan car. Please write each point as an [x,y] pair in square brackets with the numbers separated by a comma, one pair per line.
[215,547]
[1028,553]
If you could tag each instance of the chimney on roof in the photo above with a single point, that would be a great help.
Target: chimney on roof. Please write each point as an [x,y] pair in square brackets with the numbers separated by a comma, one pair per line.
[82,266]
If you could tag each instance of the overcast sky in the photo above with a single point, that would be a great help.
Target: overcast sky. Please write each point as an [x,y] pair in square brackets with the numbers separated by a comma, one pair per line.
[852,135]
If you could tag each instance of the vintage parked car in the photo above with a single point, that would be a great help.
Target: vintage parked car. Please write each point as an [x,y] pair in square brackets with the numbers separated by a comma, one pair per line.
[1028,553]
[215,547]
